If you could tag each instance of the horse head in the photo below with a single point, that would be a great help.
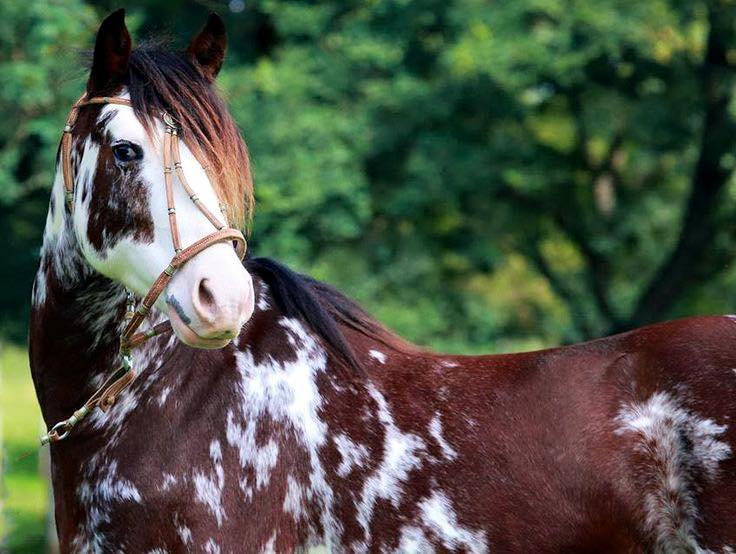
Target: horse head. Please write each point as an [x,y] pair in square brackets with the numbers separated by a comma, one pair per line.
[126,218]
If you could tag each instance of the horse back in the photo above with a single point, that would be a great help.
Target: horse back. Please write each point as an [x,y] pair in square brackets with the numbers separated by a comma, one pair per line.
[600,446]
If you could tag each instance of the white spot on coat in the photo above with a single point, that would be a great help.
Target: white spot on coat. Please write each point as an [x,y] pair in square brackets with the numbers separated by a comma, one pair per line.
[294,498]
[163,396]
[377,355]
[185,534]
[211,547]
[352,454]
[440,518]
[270,546]
[102,489]
[169,481]
[400,455]
[262,303]
[675,444]
[413,541]
[435,430]
[209,487]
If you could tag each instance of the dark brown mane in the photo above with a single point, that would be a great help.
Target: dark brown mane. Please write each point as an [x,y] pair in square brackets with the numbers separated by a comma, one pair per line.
[160,80]
[324,309]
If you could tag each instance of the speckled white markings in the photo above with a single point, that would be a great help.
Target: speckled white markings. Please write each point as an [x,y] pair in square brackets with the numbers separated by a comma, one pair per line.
[439,516]
[435,430]
[209,486]
[676,444]
[401,454]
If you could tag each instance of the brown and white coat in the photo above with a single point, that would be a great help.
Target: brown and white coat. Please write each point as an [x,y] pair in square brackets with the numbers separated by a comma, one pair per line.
[316,426]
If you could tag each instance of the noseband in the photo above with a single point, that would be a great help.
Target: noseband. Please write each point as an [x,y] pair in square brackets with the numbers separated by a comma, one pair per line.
[105,396]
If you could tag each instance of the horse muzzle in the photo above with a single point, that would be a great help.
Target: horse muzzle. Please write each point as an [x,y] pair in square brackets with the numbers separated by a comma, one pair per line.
[210,299]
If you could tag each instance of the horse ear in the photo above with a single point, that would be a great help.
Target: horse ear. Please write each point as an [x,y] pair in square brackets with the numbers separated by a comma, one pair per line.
[112,53]
[207,49]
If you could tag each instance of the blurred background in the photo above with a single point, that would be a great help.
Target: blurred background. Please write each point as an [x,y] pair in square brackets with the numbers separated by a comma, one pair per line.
[483,176]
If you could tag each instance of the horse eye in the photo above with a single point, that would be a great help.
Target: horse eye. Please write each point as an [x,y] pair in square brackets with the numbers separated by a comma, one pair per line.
[127,152]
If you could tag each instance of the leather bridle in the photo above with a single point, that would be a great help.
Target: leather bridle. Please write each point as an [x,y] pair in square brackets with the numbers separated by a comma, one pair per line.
[104,397]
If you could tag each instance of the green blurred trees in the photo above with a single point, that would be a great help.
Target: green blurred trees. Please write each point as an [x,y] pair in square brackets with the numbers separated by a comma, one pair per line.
[482,175]
[41,76]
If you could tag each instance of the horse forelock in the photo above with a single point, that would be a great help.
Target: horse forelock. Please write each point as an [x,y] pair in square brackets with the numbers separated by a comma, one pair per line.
[160,80]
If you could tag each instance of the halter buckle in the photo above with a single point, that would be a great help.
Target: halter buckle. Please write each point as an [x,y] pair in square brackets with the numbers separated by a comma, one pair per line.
[168,120]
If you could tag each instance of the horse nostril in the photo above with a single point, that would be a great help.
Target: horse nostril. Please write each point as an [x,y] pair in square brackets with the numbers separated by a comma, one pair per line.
[205,301]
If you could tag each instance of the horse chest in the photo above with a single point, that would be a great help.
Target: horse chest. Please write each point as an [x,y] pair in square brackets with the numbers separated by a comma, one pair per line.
[190,495]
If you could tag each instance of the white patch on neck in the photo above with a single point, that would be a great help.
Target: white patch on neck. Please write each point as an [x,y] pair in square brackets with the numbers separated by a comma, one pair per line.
[676,443]
[98,496]
[100,312]
[211,547]
[262,303]
[270,546]
[168,482]
[413,541]
[400,456]
[59,248]
[435,430]
[147,359]
[352,454]
[440,518]
[163,396]
[209,487]
[287,393]
[294,499]
[40,282]
[184,533]
[377,355]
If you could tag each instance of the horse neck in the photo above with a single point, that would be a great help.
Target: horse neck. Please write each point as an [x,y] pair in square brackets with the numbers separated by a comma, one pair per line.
[76,317]
[299,422]
[290,409]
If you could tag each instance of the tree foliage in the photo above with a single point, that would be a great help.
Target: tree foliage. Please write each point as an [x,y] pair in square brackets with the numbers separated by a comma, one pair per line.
[481,175]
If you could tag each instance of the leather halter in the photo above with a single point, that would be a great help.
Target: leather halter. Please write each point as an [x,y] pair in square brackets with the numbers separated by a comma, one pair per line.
[105,396]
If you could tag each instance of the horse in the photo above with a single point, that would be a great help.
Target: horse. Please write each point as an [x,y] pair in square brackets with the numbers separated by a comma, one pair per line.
[273,414]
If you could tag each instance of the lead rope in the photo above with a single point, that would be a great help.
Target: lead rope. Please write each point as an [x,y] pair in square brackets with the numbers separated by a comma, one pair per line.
[104,397]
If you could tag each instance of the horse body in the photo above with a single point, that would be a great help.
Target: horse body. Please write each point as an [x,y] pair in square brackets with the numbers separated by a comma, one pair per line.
[315,425]
[621,444]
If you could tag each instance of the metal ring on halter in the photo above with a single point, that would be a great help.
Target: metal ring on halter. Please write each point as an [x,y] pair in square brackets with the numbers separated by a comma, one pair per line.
[168,120]
[54,435]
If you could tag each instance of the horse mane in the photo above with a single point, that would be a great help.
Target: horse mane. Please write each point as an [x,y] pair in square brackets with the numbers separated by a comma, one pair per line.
[324,309]
[162,80]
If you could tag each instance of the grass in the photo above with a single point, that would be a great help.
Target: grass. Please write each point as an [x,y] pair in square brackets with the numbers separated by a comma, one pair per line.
[23,493]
